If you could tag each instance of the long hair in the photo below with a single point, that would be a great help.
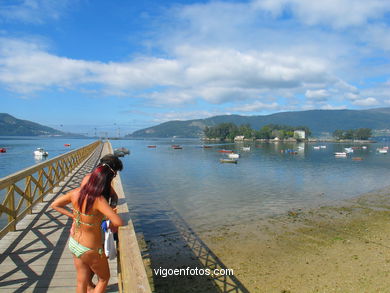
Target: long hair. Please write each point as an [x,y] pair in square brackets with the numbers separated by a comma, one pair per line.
[116,165]
[99,179]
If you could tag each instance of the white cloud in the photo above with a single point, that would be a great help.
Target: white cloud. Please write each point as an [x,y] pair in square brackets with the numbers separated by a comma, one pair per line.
[334,13]
[257,106]
[33,11]
[184,115]
[366,102]
[215,75]
[333,107]
[319,95]
[352,96]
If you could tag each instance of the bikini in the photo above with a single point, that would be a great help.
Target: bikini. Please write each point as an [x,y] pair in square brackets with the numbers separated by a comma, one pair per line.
[76,248]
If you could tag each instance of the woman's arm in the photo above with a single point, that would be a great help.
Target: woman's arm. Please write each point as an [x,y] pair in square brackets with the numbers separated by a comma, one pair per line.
[103,207]
[113,198]
[61,202]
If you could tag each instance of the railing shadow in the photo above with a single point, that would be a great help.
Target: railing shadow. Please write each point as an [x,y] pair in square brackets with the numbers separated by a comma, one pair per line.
[33,270]
[172,244]
[227,283]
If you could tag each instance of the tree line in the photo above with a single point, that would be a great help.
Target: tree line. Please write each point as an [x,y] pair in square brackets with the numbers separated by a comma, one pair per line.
[228,131]
[360,133]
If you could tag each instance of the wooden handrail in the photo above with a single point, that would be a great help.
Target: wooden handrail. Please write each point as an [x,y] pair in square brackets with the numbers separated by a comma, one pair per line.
[27,187]
[132,277]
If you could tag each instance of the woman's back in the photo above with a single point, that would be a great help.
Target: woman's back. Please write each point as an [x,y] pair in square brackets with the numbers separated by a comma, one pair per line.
[86,228]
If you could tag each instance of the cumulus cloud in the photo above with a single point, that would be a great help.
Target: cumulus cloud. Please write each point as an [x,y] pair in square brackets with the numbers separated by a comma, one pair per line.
[334,13]
[215,75]
[257,106]
[319,95]
[366,102]
[333,107]
[220,52]
[32,11]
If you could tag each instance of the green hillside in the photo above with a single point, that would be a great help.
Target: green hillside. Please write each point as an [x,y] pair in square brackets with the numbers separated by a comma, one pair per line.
[11,126]
[319,121]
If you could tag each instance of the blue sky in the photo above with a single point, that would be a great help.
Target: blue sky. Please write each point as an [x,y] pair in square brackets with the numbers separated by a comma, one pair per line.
[119,66]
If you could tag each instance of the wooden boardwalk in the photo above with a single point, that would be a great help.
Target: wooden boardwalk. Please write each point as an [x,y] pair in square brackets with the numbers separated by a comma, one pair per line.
[35,257]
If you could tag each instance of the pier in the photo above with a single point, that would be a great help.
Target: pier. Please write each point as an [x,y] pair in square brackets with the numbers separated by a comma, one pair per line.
[33,241]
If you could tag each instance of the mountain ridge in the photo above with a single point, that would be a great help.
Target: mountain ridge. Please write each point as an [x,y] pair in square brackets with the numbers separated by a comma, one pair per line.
[319,121]
[11,126]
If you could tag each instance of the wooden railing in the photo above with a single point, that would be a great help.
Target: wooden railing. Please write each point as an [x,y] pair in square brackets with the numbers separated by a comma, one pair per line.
[132,277]
[22,190]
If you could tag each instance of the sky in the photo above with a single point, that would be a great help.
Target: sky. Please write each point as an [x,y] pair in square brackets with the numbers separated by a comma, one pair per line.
[94,66]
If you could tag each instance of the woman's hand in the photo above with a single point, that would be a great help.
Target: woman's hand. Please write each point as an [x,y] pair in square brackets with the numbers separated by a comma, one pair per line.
[72,229]
[113,228]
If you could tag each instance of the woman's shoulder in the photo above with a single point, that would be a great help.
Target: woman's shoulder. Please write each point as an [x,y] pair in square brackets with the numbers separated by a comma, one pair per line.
[85,179]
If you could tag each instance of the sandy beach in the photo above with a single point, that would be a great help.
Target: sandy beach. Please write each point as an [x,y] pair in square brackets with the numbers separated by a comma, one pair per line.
[343,247]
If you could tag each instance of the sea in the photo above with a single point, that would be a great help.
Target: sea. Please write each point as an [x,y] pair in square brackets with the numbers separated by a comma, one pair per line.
[175,196]
[269,179]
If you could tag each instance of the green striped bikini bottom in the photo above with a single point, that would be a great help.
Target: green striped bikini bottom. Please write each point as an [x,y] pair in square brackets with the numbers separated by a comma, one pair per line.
[78,249]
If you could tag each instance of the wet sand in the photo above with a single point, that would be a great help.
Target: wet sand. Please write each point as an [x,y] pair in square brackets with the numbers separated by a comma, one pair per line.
[340,248]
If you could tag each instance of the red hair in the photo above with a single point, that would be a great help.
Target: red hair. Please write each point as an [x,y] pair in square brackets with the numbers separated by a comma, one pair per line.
[99,179]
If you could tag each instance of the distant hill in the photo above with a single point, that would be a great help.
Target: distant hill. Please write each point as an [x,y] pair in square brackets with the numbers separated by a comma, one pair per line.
[11,126]
[319,121]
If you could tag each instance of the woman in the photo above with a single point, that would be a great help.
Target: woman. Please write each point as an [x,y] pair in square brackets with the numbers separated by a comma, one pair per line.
[89,208]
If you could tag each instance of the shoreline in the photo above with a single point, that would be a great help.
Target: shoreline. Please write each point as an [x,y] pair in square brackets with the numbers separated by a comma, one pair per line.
[290,140]
[341,247]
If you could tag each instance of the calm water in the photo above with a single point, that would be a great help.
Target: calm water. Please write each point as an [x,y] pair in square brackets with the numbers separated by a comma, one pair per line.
[193,183]
[169,190]
[20,155]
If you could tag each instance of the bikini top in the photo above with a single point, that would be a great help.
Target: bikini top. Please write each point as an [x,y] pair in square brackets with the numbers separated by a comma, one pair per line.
[78,221]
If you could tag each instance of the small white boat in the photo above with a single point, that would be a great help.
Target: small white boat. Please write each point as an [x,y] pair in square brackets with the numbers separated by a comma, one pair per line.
[40,152]
[232,161]
[233,156]
[246,149]
[348,150]
[382,150]
[340,154]
[316,147]
[364,147]
[323,146]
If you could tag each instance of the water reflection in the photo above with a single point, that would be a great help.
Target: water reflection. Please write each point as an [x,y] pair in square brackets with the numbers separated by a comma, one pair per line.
[175,193]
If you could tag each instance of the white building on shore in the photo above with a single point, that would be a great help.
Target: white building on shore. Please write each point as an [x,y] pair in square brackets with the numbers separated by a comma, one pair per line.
[299,134]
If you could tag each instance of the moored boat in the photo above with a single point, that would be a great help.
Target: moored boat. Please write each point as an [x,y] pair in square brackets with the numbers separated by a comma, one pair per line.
[382,150]
[231,161]
[225,151]
[40,152]
[152,146]
[123,150]
[340,154]
[246,149]
[67,144]
[357,159]
[348,150]
[3,150]
[233,156]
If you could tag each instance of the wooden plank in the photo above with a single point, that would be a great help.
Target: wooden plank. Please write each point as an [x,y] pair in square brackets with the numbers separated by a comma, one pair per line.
[133,274]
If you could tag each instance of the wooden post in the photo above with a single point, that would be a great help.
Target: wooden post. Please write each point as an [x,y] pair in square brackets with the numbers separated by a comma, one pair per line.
[11,206]
[40,185]
[27,192]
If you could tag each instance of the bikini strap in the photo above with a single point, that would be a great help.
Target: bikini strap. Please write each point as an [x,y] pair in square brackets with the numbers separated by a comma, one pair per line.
[78,221]
[80,213]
